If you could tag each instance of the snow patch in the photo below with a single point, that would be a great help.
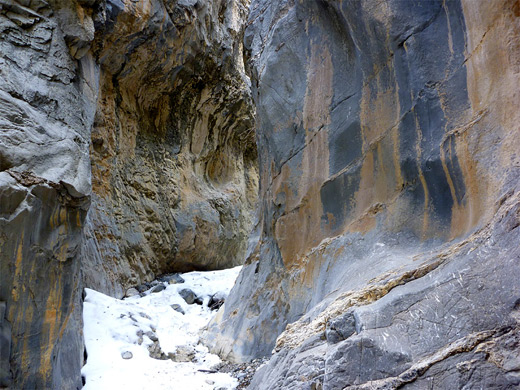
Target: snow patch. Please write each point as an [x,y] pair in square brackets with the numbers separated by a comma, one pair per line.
[114,327]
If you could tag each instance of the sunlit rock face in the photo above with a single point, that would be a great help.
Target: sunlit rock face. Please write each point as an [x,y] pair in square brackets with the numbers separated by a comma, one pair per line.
[389,174]
[126,150]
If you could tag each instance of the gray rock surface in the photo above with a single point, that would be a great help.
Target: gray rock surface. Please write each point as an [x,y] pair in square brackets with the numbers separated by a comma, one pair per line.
[172,279]
[5,348]
[189,296]
[126,151]
[384,253]
[158,288]
[178,308]
[173,149]
[383,256]
[47,106]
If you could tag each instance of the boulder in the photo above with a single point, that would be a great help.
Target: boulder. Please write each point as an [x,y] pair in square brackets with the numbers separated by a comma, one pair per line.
[190,297]
[131,292]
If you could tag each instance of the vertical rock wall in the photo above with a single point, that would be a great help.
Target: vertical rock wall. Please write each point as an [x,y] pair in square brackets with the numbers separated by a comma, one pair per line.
[126,150]
[47,105]
[384,255]
[389,176]
[173,148]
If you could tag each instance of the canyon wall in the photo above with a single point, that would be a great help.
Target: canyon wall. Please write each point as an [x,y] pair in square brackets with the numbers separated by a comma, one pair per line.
[127,150]
[173,149]
[385,255]
[47,103]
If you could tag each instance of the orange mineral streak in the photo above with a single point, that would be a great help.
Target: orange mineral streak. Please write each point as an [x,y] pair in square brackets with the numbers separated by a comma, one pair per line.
[78,219]
[51,325]
[379,111]
[299,229]
[80,11]
[28,313]
[493,77]
[17,273]
[379,183]
[475,192]
[367,191]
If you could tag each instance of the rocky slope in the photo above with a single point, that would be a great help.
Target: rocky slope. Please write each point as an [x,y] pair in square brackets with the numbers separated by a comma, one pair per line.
[385,254]
[126,150]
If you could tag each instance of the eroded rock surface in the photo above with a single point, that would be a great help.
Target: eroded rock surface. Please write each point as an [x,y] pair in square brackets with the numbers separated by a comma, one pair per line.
[385,253]
[173,148]
[126,150]
[47,103]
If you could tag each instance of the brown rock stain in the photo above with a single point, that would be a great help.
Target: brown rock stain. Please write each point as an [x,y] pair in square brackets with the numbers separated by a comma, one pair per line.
[493,79]
[379,117]
[51,325]
[468,217]
[78,221]
[17,273]
[379,112]
[27,318]
[366,192]
[299,229]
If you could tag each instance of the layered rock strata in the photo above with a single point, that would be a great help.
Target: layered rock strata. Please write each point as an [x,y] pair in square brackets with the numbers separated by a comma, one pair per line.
[385,254]
[126,150]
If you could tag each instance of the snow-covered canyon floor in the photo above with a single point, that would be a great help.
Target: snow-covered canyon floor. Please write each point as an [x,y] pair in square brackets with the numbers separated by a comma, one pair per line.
[119,335]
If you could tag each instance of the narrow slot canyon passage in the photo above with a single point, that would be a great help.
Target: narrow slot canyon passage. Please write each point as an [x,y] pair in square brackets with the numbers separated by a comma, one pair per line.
[174,187]
[260,194]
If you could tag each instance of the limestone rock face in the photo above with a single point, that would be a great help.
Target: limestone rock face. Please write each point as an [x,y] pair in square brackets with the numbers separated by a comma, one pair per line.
[47,103]
[385,254]
[127,149]
[173,150]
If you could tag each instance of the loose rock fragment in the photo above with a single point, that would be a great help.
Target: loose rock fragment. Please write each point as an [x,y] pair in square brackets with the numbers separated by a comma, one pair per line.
[158,288]
[190,297]
[172,279]
[216,301]
[183,354]
[127,355]
[152,336]
[131,292]
[178,308]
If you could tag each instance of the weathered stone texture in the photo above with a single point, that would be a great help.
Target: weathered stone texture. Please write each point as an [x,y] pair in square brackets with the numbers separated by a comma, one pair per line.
[46,107]
[388,143]
[173,148]
[384,254]
[126,150]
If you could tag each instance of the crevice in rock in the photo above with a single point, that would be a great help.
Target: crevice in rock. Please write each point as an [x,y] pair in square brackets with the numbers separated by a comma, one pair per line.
[463,345]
